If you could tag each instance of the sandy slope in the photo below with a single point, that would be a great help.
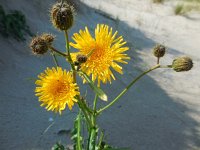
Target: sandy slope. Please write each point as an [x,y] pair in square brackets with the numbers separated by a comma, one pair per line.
[160,113]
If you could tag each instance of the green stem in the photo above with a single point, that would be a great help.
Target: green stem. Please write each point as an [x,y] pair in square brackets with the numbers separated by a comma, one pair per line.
[55,50]
[54,58]
[86,107]
[79,132]
[68,50]
[74,76]
[100,141]
[94,129]
[85,114]
[168,66]
[95,103]
[92,138]
[89,117]
[127,88]
[158,60]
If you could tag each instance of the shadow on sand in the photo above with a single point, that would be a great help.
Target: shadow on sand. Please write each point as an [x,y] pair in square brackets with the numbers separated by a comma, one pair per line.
[146,118]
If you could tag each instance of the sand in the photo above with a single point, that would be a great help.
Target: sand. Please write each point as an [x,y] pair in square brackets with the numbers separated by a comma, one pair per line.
[161,112]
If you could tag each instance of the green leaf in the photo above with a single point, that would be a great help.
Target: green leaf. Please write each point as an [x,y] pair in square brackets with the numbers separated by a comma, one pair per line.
[96,89]
[58,146]
[76,133]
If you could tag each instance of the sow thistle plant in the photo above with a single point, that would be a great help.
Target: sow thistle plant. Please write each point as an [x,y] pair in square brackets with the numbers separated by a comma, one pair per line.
[94,62]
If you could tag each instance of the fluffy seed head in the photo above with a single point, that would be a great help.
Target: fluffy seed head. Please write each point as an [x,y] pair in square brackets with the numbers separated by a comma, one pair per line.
[159,50]
[38,46]
[62,16]
[48,38]
[182,64]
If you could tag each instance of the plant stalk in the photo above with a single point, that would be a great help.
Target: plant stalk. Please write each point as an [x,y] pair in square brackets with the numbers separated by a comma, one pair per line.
[85,114]
[79,132]
[158,60]
[55,50]
[54,58]
[94,129]
[127,88]
[100,141]
[68,50]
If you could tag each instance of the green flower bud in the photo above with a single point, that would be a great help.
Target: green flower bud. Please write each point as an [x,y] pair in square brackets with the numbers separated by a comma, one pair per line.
[159,51]
[182,64]
[62,16]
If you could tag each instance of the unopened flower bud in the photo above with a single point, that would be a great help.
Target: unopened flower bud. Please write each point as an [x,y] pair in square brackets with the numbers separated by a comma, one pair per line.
[81,58]
[62,16]
[48,38]
[38,45]
[182,64]
[159,51]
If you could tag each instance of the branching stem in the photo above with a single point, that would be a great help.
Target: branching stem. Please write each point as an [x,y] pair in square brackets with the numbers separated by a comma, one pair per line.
[59,52]
[127,88]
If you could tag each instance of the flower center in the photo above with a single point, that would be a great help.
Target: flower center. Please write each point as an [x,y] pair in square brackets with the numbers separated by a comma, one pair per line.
[58,88]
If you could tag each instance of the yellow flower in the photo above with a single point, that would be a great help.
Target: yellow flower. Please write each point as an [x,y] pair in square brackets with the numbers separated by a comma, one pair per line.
[104,52]
[56,89]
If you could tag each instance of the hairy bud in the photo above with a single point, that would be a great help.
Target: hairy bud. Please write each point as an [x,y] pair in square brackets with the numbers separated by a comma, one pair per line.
[81,58]
[182,64]
[48,38]
[159,50]
[38,46]
[62,16]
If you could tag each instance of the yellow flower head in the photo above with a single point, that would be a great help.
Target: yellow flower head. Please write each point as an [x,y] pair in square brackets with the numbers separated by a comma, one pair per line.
[104,52]
[56,89]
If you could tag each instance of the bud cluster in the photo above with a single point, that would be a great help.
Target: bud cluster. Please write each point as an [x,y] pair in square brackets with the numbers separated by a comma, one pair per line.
[40,44]
[179,64]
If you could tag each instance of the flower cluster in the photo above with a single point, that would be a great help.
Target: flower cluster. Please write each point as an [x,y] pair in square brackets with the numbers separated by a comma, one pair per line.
[96,57]
[95,60]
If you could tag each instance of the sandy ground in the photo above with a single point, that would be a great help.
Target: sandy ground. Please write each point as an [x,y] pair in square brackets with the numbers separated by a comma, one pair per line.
[161,112]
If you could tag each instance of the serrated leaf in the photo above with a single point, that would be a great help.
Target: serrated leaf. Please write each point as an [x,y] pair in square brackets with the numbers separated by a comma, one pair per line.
[76,132]
[96,89]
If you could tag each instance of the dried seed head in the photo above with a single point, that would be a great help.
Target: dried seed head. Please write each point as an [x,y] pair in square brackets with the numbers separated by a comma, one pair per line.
[48,38]
[81,58]
[62,16]
[159,50]
[38,46]
[182,64]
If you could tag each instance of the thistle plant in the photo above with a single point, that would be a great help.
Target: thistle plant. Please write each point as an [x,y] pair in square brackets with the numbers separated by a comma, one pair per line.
[94,62]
